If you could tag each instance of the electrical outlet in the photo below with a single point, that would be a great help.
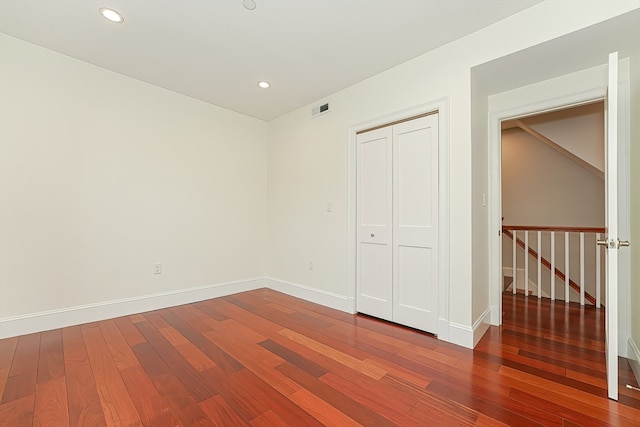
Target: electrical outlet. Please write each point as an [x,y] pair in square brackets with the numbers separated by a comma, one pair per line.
[310,265]
[157,269]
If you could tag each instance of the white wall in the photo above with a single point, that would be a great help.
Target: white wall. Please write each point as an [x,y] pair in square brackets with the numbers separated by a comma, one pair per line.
[309,163]
[182,183]
[101,176]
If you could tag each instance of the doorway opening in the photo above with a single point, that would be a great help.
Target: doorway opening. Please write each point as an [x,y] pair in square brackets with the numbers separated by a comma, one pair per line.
[553,204]
[513,104]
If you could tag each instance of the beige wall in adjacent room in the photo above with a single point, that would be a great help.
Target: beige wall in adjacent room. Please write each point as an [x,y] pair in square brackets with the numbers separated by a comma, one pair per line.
[541,187]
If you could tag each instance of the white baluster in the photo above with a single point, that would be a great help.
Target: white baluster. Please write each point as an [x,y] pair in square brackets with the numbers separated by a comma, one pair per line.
[539,264]
[581,268]
[515,245]
[553,266]
[526,263]
[597,272]
[566,266]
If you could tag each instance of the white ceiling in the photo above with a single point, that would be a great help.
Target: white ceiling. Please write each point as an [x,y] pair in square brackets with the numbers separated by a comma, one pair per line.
[217,51]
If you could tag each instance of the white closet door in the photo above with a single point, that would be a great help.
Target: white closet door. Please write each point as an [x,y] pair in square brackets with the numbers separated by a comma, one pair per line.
[415,223]
[374,213]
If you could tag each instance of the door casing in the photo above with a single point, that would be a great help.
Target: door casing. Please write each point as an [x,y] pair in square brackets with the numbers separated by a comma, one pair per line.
[441,106]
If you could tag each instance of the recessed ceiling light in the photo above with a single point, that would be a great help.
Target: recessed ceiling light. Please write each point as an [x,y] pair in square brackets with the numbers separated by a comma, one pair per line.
[264,85]
[111,15]
[249,4]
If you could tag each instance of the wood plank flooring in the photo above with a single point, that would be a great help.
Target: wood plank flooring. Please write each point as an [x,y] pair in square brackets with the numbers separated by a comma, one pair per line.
[262,358]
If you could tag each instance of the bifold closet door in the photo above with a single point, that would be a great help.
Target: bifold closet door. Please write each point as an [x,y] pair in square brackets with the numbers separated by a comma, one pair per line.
[415,223]
[397,231]
[374,213]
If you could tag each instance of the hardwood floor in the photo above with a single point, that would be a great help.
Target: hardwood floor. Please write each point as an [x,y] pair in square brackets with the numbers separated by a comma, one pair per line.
[262,358]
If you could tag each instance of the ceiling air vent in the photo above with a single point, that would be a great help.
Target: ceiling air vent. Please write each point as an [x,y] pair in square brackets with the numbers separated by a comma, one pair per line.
[321,109]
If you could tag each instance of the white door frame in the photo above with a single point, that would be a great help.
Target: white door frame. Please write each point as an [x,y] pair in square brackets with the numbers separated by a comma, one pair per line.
[442,107]
[523,108]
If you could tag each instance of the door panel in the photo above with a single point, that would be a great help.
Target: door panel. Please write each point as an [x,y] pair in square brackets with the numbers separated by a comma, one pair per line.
[373,277]
[414,178]
[397,213]
[415,223]
[414,266]
[373,182]
[374,284]
[611,221]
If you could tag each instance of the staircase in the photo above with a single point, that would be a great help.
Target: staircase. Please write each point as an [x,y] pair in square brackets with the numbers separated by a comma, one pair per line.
[568,262]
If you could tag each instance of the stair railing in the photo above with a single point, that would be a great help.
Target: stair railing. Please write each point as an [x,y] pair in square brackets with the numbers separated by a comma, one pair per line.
[514,231]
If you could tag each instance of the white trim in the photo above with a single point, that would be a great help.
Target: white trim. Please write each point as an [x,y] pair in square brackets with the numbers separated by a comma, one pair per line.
[443,330]
[481,325]
[317,296]
[624,209]
[442,107]
[495,320]
[634,359]
[466,336]
[623,339]
[461,335]
[60,318]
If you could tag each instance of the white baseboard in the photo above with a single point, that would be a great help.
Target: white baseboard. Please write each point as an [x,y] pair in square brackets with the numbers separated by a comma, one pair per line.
[634,358]
[495,315]
[328,299]
[460,335]
[60,318]
[481,326]
[443,330]
[466,336]
[623,344]
[43,321]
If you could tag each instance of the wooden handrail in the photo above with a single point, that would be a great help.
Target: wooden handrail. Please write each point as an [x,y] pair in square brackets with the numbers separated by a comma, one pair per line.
[547,264]
[554,228]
